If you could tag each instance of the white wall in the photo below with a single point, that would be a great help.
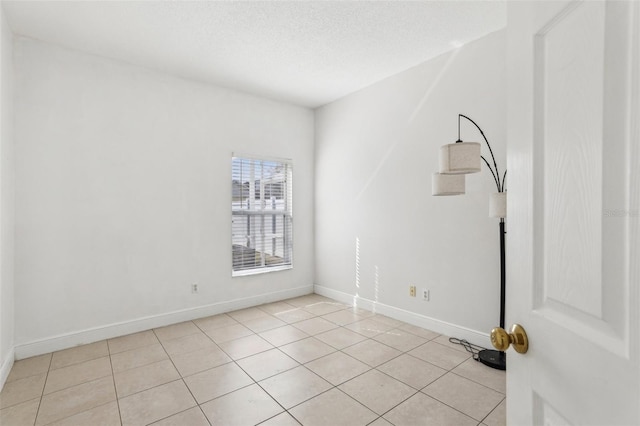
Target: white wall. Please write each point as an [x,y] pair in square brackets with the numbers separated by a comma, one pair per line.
[6,199]
[375,153]
[123,196]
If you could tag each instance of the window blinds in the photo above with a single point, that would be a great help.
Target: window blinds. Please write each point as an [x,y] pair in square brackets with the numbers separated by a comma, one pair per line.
[261,215]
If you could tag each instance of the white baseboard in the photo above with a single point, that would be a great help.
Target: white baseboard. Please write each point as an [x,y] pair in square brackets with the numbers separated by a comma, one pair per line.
[81,337]
[442,327]
[5,368]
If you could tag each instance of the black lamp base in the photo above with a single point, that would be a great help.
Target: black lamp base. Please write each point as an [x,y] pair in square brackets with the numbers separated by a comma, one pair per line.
[493,359]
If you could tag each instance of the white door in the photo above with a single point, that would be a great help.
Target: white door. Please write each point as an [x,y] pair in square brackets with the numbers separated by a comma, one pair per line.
[573,235]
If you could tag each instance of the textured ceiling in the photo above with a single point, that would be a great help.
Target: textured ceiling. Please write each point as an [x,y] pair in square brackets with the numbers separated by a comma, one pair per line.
[304,52]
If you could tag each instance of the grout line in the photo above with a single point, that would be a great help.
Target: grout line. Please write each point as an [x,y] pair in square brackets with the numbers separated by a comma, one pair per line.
[203,413]
[113,379]
[453,408]
[400,403]
[80,412]
[494,409]
[182,378]
[382,372]
[378,418]
[135,347]
[43,387]
[478,383]
[85,380]
[416,391]
[397,327]
[279,414]
[271,396]
[180,412]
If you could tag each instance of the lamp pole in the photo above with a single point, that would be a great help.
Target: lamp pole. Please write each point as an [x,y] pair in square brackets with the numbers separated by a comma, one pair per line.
[502,273]
[492,358]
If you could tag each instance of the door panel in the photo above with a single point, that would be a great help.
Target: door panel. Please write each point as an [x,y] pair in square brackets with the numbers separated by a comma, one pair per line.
[579,249]
[574,83]
[569,68]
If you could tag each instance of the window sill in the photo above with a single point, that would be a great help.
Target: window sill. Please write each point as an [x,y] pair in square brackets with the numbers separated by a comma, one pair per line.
[260,271]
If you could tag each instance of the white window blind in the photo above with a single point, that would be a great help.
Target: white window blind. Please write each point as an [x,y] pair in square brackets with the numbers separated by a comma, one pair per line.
[261,215]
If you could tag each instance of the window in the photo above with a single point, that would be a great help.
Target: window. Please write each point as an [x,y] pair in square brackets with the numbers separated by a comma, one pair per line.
[261,215]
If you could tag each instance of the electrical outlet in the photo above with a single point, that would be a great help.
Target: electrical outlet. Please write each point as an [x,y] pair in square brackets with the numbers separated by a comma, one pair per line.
[194,288]
[412,291]
[425,295]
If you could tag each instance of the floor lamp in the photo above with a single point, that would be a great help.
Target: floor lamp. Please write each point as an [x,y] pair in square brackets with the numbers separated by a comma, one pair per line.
[457,160]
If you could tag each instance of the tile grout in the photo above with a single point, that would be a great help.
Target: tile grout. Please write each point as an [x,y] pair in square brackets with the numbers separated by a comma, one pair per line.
[43,387]
[338,326]
[181,379]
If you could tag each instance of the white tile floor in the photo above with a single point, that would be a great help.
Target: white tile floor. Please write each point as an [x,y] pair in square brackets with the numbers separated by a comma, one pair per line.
[308,360]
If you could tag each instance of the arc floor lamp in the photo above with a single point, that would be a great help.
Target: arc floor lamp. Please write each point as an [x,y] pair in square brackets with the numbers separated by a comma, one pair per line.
[457,160]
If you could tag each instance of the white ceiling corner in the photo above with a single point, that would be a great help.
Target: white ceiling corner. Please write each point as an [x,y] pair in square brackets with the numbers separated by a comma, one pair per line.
[304,52]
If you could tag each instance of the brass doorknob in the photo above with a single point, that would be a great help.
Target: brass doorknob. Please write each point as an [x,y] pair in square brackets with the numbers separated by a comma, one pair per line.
[517,337]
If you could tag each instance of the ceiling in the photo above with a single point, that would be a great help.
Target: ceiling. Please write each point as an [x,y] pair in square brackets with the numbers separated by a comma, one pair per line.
[304,52]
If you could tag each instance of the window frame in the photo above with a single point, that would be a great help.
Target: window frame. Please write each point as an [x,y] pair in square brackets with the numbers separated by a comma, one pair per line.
[260,187]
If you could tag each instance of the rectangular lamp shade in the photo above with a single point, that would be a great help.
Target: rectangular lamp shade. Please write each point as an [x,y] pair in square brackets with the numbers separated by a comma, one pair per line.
[447,184]
[460,158]
[498,205]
